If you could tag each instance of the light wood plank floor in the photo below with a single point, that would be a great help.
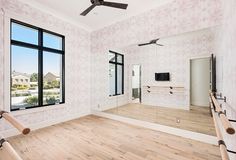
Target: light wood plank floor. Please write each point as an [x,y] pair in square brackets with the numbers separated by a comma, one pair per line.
[96,138]
[197,119]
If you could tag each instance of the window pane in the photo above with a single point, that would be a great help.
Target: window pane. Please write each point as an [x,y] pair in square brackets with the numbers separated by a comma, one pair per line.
[119,79]
[52,41]
[52,78]
[112,79]
[119,58]
[111,57]
[24,77]
[24,34]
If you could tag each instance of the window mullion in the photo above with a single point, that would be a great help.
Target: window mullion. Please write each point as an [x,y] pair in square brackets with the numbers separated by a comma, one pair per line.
[63,72]
[40,68]
[123,74]
[116,74]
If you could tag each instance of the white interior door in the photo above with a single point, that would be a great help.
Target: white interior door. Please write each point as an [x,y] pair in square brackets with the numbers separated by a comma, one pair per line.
[200,81]
[136,84]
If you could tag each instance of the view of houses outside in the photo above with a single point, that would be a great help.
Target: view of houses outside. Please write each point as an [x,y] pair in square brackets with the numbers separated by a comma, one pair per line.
[24,78]
[24,90]
[25,72]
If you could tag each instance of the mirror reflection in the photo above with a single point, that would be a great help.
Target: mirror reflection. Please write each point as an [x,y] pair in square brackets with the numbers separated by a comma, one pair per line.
[165,81]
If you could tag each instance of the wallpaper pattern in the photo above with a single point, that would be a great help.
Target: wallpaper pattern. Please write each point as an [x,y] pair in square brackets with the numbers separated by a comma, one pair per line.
[226,67]
[178,17]
[77,64]
[174,57]
[87,60]
[1,54]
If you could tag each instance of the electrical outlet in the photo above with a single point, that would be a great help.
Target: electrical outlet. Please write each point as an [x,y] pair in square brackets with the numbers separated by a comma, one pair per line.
[98,105]
[177,120]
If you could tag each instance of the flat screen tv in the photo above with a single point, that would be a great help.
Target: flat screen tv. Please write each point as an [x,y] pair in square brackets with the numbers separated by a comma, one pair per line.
[162,76]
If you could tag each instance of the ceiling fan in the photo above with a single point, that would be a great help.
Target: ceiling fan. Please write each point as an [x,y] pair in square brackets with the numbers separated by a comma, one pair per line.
[103,3]
[151,42]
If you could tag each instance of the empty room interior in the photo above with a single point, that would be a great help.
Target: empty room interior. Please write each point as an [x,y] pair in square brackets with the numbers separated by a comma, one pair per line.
[117,80]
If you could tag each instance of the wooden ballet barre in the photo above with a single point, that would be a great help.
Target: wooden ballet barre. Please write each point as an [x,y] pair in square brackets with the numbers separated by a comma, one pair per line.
[5,146]
[223,149]
[171,92]
[24,130]
[225,121]
[168,87]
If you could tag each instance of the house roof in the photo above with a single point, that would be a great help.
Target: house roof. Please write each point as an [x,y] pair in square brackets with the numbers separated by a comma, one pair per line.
[16,74]
[51,74]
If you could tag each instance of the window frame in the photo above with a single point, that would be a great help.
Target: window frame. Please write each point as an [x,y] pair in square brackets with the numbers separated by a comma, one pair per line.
[40,48]
[116,73]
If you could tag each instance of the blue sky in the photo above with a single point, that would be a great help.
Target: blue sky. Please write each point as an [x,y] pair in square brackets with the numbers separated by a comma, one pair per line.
[25,60]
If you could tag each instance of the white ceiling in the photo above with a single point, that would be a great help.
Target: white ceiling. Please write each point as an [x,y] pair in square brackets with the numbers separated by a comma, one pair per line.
[99,17]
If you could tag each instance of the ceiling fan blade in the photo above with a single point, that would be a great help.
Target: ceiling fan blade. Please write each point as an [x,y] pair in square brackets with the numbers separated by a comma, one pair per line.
[155,40]
[159,44]
[144,44]
[84,13]
[115,5]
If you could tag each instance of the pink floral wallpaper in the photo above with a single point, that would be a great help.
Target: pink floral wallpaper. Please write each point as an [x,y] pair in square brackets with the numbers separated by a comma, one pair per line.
[77,61]
[174,57]
[87,60]
[1,57]
[178,17]
[1,54]
[226,67]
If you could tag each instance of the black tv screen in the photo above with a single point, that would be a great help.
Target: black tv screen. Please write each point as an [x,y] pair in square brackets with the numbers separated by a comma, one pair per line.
[162,76]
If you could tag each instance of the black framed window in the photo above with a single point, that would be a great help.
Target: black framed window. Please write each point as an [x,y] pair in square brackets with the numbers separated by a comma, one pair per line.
[37,67]
[116,73]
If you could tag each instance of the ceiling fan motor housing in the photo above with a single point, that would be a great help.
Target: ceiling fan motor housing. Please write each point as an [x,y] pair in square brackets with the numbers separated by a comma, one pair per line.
[97,2]
[103,3]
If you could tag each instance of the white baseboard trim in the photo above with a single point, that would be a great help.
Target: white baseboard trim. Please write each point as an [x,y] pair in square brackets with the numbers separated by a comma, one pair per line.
[14,132]
[157,127]
[199,104]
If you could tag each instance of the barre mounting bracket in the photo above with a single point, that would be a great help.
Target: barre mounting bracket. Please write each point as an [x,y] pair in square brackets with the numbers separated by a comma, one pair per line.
[1,113]
[1,142]
[232,120]
[221,142]
[219,113]
[224,99]
[231,151]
